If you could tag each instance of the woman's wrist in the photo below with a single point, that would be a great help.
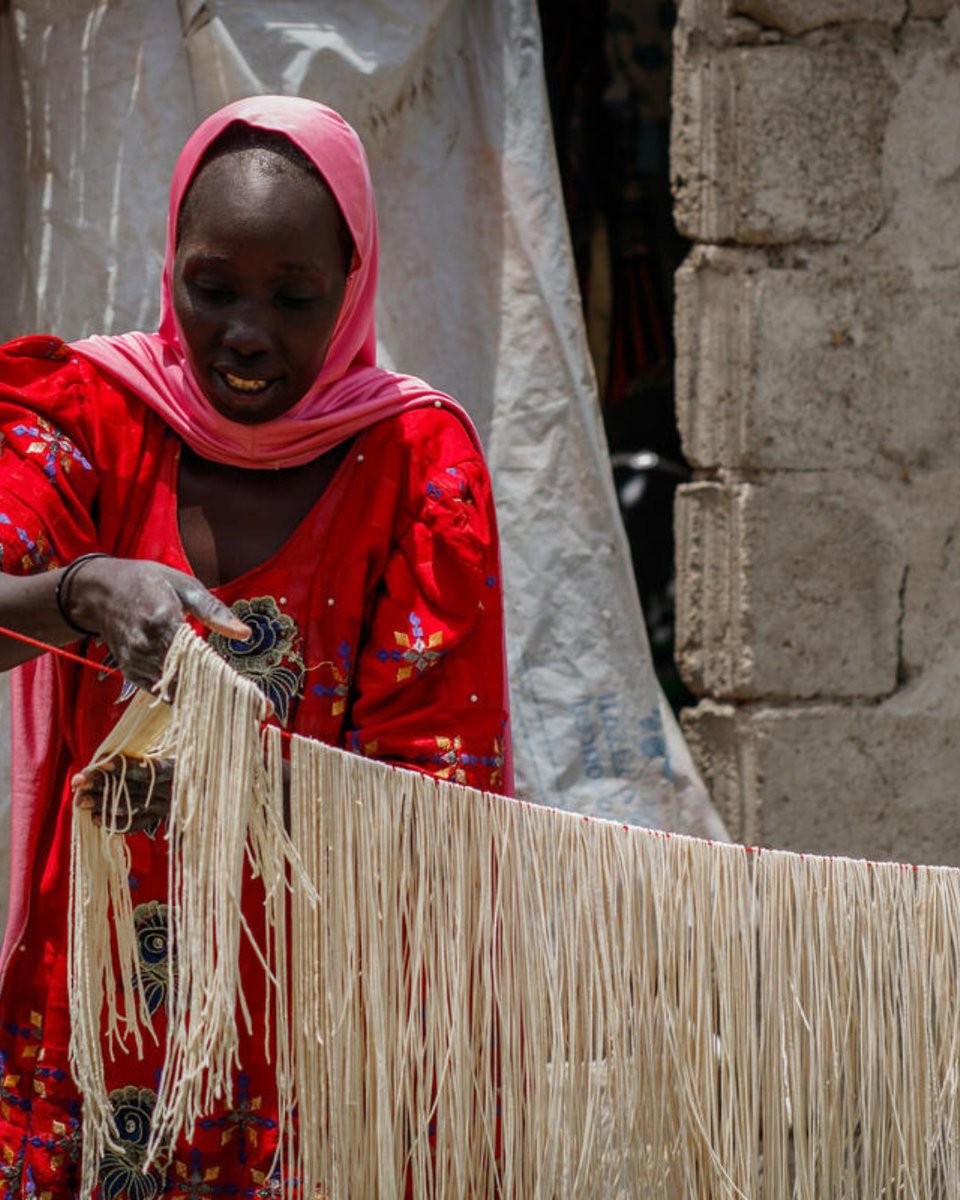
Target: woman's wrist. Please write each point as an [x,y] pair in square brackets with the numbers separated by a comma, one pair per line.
[77,616]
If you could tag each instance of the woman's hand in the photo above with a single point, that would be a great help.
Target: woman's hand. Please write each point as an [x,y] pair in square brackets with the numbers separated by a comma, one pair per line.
[148,786]
[136,607]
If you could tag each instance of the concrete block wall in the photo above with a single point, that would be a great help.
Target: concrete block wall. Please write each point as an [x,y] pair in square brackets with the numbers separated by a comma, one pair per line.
[816,167]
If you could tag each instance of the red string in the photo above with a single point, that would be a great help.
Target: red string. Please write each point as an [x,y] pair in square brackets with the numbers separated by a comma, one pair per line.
[84,662]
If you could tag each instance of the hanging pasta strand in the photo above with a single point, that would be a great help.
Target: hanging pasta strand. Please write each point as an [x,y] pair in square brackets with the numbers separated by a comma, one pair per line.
[469,995]
[219,781]
[103,964]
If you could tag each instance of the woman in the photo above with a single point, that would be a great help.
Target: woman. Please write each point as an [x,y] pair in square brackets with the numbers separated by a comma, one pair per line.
[251,469]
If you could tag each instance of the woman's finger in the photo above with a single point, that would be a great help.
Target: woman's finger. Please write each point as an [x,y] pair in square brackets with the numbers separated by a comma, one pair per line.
[212,612]
[83,780]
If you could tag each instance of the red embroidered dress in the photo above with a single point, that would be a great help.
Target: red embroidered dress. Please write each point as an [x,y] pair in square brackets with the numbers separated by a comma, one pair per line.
[377,627]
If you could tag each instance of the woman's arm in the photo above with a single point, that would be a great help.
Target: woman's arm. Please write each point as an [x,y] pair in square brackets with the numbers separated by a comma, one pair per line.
[134,607]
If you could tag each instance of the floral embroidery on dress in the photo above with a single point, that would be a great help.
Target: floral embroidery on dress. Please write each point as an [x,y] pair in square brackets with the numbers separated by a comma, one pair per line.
[340,678]
[271,657]
[243,1123]
[58,451]
[415,651]
[453,761]
[121,1171]
[39,553]
[11,1081]
[45,1075]
[269,1187]
[66,1146]
[31,1033]
[494,762]
[195,1181]
[11,1170]
[150,923]
[449,758]
[9,1097]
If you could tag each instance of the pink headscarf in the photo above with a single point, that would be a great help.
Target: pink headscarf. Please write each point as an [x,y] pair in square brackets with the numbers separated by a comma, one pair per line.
[350,392]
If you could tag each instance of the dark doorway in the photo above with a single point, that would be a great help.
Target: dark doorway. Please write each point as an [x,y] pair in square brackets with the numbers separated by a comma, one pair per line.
[608,76]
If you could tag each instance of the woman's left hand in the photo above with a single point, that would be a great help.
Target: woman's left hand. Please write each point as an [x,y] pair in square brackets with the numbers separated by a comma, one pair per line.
[149,787]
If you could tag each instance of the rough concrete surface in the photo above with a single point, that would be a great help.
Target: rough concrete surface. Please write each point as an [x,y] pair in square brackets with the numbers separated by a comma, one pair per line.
[933,10]
[791,589]
[920,163]
[800,16]
[778,144]
[834,779]
[818,390]
[930,627]
[820,359]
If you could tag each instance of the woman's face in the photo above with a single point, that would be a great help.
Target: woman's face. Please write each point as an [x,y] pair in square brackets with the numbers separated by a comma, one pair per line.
[259,278]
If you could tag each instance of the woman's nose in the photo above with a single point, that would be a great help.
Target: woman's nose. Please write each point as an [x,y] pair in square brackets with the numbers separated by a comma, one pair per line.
[247,334]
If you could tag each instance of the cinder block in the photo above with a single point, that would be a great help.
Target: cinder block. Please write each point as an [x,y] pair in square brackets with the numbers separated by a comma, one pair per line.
[777,144]
[794,17]
[790,588]
[854,780]
[820,360]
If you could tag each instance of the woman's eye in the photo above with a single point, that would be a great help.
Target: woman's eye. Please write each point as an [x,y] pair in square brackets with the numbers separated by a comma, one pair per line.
[295,300]
[211,293]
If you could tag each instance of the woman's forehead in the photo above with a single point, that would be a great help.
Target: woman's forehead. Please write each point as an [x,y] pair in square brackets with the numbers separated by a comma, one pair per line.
[255,187]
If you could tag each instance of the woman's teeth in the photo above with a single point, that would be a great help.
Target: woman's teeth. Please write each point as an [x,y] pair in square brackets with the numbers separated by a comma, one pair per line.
[245,385]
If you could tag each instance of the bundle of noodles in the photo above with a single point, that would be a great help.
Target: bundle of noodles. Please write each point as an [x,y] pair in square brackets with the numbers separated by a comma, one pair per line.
[572,1007]
[220,790]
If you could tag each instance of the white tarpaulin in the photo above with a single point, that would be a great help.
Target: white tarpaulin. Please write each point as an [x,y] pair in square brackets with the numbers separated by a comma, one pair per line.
[96,99]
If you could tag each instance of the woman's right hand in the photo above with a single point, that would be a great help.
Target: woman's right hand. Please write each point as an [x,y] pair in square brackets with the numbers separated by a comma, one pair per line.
[136,608]
[148,787]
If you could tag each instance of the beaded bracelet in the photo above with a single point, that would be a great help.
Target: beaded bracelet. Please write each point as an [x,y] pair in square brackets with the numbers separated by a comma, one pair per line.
[62,594]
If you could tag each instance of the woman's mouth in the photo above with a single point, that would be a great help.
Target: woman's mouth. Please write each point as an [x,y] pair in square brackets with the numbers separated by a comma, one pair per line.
[247,387]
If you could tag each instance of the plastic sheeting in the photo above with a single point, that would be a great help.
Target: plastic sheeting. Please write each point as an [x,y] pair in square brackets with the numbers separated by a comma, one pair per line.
[478,295]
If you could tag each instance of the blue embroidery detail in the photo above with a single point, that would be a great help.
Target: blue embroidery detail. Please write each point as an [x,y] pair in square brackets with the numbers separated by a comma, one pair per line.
[342,676]
[66,1146]
[150,924]
[196,1181]
[268,1188]
[38,553]
[452,759]
[270,658]
[415,651]
[57,449]
[462,489]
[11,1169]
[8,1095]
[242,1122]
[121,1171]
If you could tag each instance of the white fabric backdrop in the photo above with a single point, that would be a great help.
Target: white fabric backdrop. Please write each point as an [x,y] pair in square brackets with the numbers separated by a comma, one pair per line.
[478,295]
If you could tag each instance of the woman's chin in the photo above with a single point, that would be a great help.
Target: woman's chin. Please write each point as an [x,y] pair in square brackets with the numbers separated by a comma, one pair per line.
[247,407]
